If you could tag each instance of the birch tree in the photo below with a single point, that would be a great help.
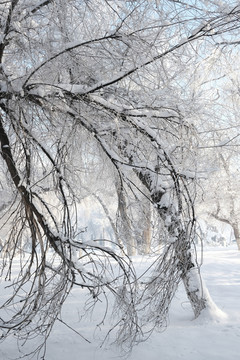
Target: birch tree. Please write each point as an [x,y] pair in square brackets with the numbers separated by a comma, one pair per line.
[113,72]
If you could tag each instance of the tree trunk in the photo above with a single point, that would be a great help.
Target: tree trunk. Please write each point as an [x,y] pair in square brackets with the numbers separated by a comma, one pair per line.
[191,277]
[147,232]
[147,227]
[195,292]
[180,237]
[236,233]
[125,230]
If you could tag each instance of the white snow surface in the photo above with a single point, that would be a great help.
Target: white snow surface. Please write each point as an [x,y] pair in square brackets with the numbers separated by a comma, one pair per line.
[208,337]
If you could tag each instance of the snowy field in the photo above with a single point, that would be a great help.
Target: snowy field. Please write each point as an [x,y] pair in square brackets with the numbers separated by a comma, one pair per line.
[185,338]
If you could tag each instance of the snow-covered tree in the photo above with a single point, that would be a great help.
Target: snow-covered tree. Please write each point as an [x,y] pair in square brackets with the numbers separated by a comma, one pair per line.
[216,90]
[111,78]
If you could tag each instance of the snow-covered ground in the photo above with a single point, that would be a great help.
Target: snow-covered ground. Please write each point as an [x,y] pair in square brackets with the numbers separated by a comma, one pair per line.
[184,338]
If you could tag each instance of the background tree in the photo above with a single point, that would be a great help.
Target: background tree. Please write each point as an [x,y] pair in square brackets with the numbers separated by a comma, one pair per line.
[217,128]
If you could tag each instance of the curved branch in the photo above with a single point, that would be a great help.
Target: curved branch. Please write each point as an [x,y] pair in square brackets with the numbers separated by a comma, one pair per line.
[67,49]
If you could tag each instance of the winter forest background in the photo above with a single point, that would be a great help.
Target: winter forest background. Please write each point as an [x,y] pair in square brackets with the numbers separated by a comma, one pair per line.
[119,132]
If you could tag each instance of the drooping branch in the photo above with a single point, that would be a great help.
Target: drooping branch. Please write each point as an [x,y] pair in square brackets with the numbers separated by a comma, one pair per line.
[50,285]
